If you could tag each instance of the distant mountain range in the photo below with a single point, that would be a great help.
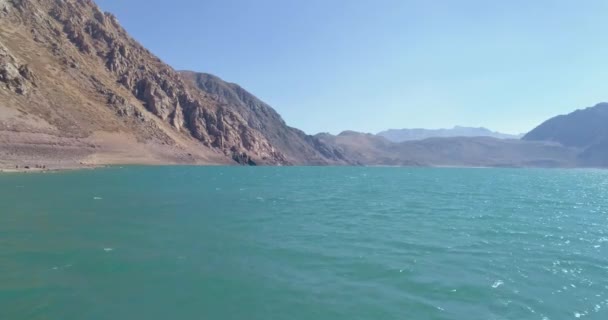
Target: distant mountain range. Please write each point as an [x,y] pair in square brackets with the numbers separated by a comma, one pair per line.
[76,90]
[401,135]
[369,149]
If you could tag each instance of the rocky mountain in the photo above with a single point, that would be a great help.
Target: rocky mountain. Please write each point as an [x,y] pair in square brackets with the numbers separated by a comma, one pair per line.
[75,88]
[400,135]
[298,147]
[586,129]
[581,128]
[456,151]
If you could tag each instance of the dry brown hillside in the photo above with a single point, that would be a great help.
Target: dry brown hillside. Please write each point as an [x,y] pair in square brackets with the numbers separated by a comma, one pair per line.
[76,88]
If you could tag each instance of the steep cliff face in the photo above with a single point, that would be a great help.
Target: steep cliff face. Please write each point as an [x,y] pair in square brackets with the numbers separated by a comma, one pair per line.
[73,66]
[298,147]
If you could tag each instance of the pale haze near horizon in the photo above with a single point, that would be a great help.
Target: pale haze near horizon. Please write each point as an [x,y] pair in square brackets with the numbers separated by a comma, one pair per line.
[329,66]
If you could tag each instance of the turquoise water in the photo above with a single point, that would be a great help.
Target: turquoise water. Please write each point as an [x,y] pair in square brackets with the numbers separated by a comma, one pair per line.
[304,243]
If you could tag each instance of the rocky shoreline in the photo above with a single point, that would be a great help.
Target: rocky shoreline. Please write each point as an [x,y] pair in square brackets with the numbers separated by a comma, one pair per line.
[48,170]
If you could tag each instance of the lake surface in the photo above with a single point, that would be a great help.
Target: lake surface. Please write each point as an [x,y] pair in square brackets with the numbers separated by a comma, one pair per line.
[304,243]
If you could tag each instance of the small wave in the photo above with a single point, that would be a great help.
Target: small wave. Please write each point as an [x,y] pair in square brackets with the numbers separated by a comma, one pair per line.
[108,249]
[97,198]
[62,267]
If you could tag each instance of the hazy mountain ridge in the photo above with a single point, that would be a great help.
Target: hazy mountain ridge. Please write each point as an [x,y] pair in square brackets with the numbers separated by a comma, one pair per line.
[581,128]
[400,135]
[456,151]
[585,128]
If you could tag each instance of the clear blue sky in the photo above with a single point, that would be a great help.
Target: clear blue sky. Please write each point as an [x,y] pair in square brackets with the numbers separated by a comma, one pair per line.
[331,65]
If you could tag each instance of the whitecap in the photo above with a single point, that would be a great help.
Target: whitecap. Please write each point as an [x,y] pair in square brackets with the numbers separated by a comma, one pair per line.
[97,198]
[497,284]
[108,249]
